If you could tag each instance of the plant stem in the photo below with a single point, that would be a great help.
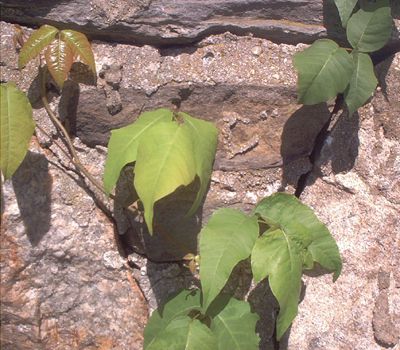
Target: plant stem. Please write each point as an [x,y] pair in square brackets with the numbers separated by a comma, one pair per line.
[73,154]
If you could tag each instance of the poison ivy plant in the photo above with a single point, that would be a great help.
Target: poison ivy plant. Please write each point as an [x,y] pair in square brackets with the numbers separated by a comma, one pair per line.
[181,324]
[169,150]
[62,48]
[325,70]
[17,127]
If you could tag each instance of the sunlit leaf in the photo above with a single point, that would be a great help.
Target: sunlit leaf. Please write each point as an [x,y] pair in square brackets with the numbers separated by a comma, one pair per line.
[345,8]
[17,127]
[235,327]
[227,239]
[324,70]
[38,40]
[296,237]
[80,46]
[362,84]
[164,162]
[123,144]
[59,59]
[370,28]
[180,305]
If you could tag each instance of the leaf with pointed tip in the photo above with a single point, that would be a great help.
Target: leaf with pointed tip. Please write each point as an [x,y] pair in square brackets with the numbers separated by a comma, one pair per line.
[164,162]
[186,334]
[227,239]
[59,59]
[180,305]
[370,28]
[298,220]
[36,43]
[362,83]
[235,327]
[324,70]
[80,46]
[204,136]
[17,127]
[345,8]
[123,144]
[276,255]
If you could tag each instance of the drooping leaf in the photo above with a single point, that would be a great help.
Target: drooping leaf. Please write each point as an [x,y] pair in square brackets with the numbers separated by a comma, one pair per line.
[324,70]
[296,239]
[276,255]
[184,333]
[164,162]
[80,46]
[345,8]
[180,305]
[235,327]
[370,28]
[17,127]
[298,220]
[123,144]
[36,43]
[363,82]
[204,136]
[227,239]
[59,59]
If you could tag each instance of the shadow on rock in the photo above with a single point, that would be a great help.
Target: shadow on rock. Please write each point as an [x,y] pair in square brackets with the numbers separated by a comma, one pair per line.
[32,186]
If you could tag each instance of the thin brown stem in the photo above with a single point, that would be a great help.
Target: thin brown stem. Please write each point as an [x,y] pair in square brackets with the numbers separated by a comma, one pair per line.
[44,132]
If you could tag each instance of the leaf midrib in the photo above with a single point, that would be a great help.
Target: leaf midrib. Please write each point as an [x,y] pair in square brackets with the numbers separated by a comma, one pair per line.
[365,28]
[229,331]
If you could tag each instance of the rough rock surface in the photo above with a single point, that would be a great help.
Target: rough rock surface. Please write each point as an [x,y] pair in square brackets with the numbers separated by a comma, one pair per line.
[247,86]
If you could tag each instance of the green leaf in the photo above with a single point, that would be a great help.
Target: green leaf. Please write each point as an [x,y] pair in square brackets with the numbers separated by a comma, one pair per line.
[299,221]
[36,43]
[17,127]
[370,28]
[324,70]
[276,255]
[362,83]
[80,46]
[184,333]
[123,144]
[227,239]
[164,162]
[345,8]
[180,305]
[283,251]
[235,327]
[204,136]
[59,59]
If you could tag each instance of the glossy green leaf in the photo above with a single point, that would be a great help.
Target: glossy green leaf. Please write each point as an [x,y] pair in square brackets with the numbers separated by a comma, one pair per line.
[324,70]
[298,220]
[59,59]
[278,256]
[184,333]
[80,46]
[123,144]
[362,83]
[164,162]
[227,239]
[204,136]
[180,305]
[235,327]
[370,28]
[345,8]
[295,239]
[36,43]
[17,127]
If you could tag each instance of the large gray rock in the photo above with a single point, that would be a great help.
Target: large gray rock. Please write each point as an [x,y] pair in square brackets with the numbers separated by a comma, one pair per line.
[175,22]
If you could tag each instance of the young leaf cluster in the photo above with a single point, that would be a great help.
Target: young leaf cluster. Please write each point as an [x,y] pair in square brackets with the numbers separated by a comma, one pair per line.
[61,48]
[291,241]
[17,127]
[169,150]
[326,70]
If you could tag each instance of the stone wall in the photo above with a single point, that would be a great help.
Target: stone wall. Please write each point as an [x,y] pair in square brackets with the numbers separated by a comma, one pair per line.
[54,236]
